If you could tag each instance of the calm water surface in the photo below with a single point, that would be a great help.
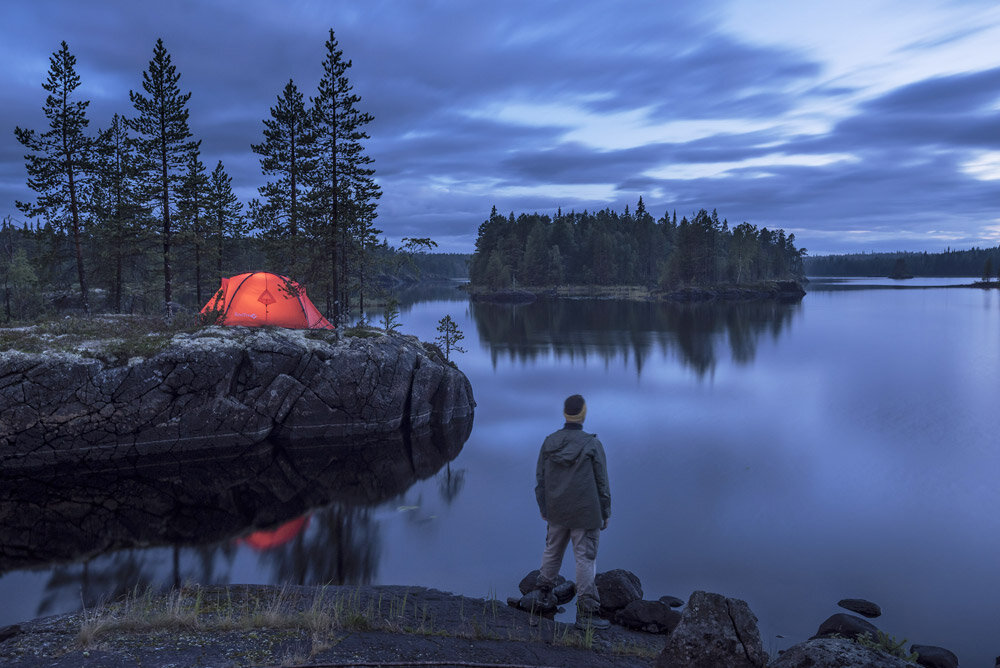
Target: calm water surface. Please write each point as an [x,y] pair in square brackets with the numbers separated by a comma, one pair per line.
[790,455]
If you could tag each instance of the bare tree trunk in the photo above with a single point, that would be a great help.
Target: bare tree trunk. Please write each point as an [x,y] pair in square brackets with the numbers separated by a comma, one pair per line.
[77,245]
[118,282]
[167,274]
[219,262]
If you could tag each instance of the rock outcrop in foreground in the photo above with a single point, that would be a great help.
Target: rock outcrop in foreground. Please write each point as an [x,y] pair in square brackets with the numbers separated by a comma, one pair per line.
[220,388]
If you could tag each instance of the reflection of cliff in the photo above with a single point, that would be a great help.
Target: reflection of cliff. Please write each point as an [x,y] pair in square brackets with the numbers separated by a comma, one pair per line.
[606,329]
[307,508]
[61,516]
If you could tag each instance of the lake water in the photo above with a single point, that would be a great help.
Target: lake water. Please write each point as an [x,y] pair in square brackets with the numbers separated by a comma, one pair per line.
[787,454]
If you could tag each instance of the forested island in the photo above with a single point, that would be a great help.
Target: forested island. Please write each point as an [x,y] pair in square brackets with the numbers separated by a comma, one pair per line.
[607,249]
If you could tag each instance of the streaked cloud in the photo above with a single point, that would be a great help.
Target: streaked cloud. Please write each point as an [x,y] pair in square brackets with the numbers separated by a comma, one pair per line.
[857,125]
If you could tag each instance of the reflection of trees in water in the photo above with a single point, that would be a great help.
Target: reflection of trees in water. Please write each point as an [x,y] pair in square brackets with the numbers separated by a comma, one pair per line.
[607,329]
[112,576]
[342,546]
[450,483]
[90,583]
[195,509]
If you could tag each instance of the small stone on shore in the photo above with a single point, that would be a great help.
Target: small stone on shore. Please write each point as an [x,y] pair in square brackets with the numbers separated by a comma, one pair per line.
[861,606]
[847,626]
[934,657]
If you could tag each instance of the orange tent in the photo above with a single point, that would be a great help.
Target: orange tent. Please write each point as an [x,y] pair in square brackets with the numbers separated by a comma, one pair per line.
[259,298]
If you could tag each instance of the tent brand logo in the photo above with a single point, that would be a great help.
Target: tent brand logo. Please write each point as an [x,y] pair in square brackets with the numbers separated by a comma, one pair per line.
[252,316]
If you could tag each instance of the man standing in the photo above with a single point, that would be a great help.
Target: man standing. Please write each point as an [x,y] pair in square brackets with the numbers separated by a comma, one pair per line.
[575,500]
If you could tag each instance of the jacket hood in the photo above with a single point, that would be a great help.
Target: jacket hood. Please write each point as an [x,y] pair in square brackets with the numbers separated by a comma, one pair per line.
[568,447]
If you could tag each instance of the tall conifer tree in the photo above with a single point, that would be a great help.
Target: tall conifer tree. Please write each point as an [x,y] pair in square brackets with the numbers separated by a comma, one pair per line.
[117,205]
[191,209]
[343,191]
[286,155]
[165,141]
[58,158]
[224,211]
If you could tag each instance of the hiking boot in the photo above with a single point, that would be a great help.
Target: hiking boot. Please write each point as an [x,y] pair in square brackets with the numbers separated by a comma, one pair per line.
[587,620]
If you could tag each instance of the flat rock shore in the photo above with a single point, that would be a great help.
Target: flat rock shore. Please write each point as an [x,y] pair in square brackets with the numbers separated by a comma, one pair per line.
[318,626]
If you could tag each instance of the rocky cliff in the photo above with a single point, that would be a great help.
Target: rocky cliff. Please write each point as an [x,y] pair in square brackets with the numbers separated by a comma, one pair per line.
[222,388]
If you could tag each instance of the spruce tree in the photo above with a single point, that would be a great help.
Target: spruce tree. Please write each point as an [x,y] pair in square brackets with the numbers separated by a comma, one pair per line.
[342,182]
[58,158]
[192,202]
[287,156]
[365,235]
[165,141]
[117,206]
[224,212]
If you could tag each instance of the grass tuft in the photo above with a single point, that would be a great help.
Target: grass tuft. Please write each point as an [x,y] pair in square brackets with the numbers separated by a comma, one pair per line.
[883,642]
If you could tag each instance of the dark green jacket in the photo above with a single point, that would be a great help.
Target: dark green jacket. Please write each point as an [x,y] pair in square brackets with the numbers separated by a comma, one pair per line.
[572,479]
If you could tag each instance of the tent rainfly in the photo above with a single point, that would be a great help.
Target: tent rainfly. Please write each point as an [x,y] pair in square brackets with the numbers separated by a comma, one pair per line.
[259,298]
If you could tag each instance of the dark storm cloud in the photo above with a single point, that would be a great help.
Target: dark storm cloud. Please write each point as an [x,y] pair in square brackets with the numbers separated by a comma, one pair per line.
[577,163]
[455,146]
[967,92]
[906,179]
[953,112]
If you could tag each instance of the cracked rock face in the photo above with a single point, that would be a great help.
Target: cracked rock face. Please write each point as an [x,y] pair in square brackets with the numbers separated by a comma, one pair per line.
[221,388]
[214,435]
[714,631]
[835,653]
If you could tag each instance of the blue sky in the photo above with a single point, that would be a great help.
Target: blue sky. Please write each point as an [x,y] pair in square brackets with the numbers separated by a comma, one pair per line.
[857,125]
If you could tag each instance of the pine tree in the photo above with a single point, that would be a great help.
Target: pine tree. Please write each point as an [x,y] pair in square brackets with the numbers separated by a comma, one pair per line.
[58,158]
[117,205]
[224,212]
[365,236]
[165,140]
[449,337]
[192,201]
[343,181]
[287,154]
[21,293]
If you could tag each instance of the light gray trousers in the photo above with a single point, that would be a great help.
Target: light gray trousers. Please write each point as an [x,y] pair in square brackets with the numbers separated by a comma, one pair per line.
[584,551]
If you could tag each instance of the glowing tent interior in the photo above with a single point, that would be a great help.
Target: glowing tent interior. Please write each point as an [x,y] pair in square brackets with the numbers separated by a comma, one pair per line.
[258,298]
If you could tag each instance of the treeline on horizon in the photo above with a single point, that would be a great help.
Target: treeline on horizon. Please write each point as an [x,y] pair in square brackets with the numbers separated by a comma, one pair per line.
[984,262]
[134,204]
[631,248]
[38,272]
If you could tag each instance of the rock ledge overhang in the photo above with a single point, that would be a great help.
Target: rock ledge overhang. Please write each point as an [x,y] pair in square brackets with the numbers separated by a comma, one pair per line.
[221,388]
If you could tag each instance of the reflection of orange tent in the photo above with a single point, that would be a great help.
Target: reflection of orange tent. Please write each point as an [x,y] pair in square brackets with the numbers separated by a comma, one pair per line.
[259,298]
[267,540]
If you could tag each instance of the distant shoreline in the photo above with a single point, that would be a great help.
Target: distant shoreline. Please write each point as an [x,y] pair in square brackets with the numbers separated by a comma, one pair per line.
[778,290]
[901,285]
